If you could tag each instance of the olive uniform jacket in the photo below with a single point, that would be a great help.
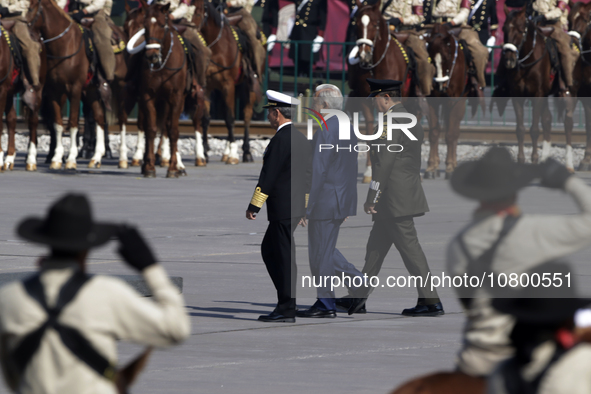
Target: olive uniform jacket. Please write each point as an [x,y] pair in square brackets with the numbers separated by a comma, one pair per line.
[286,176]
[396,177]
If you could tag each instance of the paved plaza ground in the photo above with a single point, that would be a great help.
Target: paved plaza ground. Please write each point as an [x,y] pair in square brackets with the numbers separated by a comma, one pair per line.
[197,227]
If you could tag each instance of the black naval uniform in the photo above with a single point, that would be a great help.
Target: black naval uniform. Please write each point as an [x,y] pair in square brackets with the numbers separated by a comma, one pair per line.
[310,21]
[284,183]
[270,17]
[484,20]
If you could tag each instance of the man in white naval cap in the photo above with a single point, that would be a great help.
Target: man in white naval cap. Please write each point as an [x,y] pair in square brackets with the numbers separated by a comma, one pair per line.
[284,184]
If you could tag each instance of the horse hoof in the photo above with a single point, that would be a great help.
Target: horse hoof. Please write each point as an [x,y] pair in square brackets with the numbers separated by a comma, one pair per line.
[183,172]
[31,167]
[448,174]
[232,161]
[8,166]
[71,165]
[94,164]
[123,164]
[172,174]
[571,170]
[150,174]
[224,158]
[247,158]
[366,179]
[136,163]
[200,162]
[584,167]
[55,165]
[165,163]
[430,174]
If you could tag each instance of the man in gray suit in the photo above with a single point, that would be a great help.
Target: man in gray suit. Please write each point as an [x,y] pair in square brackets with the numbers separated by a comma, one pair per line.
[333,198]
[395,197]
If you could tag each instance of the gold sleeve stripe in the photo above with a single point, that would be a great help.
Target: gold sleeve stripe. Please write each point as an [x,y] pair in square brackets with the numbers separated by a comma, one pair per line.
[307,198]
[258,198]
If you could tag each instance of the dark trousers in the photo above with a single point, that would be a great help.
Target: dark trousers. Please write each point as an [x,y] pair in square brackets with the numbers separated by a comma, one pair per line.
[402,233]
[326,259]
[278,250]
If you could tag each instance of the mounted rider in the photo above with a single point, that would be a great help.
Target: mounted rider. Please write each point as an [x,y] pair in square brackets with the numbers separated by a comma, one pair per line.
[100,10]
[456,13]
[250,28]
[407,15]
[15,10]
[554,13]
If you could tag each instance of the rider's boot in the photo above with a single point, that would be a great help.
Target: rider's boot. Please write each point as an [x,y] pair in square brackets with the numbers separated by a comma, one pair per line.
[105,91]
[30,96]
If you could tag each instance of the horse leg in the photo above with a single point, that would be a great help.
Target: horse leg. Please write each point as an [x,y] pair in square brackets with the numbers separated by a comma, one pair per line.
[98,111]
[164,149]
[73,122]
[150,127]
[140,147]
[248,111]
[571,103]
[33,121]
[200,160]
[453,135]
[432,170]
[205,127]
[232,147]
[585,164]
[58,154]
[11,125]
[534,131]
[176,164]
[519,128]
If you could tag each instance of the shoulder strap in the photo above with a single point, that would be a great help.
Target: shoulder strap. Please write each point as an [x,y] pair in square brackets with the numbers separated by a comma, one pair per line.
[71,337]
[476,266]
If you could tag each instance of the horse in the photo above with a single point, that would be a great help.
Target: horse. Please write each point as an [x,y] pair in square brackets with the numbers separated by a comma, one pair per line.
[229,72]
[9,86]
[69,76]
[527,69]
[381,55]
[579,21]
[447,98]
[443,383]
[164,73]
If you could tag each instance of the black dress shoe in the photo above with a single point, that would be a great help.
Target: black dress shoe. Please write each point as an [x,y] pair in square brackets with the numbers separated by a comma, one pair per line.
[275,317]
[425,310]
[346,302]
[356,305]
[315,312]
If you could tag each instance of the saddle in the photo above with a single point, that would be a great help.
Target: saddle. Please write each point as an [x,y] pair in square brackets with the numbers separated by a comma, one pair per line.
[15,50]
[87,22]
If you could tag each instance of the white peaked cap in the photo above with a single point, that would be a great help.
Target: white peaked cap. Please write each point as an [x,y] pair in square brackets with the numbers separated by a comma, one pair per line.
[278,99]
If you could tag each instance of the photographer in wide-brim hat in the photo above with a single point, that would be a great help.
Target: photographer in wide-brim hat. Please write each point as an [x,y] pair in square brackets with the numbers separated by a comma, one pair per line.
[548,356]
[53,322]
[501,239]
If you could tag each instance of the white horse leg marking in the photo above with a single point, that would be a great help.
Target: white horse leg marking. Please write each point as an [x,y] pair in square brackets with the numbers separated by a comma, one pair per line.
[138,155]
[569,158]
[56,161]
[226,154]
[199,151]
[123,148]
[71,160]
[179,161]
[1,160]
[545,150]
[99,149]
[9,162]
[32,157]
[165,150]
[233,157]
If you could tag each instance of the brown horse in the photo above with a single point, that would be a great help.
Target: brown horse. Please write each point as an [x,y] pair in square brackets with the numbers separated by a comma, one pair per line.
[443,383]
[69,75]
[9,85]
[228,72]
[528,74]
[447,97]
[579,21]
[382,56]
[163,85]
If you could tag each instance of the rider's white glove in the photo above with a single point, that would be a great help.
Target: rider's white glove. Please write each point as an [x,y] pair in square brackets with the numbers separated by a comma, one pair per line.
[491,42]
[271,42]
[316,46]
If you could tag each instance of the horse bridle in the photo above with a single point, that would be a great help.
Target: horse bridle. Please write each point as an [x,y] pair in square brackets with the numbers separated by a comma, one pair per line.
[40,13]
[517,50]
[580,39]
[158,45]
[372,44]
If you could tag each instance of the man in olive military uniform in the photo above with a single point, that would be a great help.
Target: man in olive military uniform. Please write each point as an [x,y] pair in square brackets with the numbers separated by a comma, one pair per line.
[284,184]
[456,13]
[309,25]
[395,198]
[483,18]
